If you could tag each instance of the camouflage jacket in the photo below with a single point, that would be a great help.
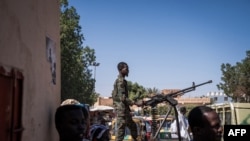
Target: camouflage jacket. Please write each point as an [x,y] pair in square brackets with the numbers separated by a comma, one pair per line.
[121,102]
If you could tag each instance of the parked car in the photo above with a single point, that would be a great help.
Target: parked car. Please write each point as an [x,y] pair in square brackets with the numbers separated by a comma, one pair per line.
[165,132]
[141,129]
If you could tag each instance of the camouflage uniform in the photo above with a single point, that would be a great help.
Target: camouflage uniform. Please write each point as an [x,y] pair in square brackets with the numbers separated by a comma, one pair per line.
[121,103]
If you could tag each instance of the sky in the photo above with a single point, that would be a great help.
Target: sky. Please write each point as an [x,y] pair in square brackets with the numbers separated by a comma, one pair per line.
[167,44]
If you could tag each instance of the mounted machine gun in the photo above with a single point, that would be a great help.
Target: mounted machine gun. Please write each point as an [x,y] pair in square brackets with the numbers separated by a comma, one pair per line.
[159,98]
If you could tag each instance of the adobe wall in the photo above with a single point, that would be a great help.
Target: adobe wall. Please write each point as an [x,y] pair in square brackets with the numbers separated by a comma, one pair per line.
[23,30]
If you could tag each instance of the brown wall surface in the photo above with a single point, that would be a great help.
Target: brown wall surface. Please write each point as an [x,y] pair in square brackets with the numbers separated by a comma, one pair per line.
[24,27]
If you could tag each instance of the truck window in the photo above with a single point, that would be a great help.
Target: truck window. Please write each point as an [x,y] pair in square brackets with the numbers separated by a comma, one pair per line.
[228,118]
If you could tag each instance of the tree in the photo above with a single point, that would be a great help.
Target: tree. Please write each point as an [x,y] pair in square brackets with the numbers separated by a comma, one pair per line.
[152,91]
[136,91]
[236,80]
[76,77]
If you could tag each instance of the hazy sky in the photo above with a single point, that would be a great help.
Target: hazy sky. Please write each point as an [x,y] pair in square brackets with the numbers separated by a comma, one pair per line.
[168,44]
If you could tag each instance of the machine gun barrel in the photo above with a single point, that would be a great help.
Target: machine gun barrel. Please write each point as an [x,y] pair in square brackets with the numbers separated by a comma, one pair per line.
[169,97]
[186,90]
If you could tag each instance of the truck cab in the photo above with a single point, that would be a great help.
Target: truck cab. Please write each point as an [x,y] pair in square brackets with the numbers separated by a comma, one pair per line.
[233,113]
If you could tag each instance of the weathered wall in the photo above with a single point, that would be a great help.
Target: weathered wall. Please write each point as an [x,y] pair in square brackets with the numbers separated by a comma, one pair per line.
[24,27]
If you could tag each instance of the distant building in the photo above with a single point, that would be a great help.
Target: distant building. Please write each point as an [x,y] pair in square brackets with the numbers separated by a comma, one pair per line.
[106,101]
[170,91]
[218,97]
[182,100]
[194,100]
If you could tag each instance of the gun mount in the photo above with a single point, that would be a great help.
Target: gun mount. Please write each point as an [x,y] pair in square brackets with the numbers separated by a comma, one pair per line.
[159,98]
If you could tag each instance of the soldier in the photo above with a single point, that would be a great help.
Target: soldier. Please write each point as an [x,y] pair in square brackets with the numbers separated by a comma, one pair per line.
[121,103]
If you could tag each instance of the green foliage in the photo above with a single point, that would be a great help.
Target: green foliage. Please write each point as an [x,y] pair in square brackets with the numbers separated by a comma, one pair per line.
[162,110]
[136,91]
[153,91]
[236,80]
[76,77]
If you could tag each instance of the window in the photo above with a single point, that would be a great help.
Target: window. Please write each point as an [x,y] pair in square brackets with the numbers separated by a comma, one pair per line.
[10,104]
[228,118]
[225,98]
[215,98]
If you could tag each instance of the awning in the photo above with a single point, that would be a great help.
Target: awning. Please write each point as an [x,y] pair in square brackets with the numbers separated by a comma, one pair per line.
[101,108]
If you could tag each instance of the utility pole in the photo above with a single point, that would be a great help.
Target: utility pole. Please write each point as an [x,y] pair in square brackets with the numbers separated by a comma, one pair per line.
[95,64]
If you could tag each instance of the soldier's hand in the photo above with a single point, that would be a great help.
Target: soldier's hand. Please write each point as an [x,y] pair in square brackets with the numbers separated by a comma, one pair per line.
[139,103]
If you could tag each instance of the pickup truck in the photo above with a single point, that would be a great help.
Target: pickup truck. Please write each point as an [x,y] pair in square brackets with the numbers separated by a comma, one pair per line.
[233,113]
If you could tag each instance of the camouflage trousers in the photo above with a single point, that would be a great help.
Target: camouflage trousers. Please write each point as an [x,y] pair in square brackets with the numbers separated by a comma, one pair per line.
[123,122]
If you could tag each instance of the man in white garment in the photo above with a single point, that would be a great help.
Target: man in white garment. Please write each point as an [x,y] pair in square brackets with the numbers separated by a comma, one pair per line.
[183,123]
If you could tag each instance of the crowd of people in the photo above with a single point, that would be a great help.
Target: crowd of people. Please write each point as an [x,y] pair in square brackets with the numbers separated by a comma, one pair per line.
[73,121]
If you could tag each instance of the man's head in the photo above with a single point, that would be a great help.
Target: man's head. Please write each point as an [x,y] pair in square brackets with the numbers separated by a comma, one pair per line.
[85,111]
[205,124]
[123,68]
[183,110]
[70,122]
[75,102]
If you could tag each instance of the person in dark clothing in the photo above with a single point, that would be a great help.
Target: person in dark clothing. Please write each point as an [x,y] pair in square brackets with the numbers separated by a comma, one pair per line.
[99,132]
[121,104]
